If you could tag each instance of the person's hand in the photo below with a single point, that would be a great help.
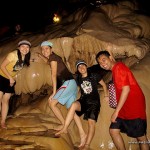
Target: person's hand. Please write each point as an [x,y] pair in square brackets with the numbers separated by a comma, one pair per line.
[12,81]
[37,54]
[114,116]
[106,98]
[36,57]
[51,97]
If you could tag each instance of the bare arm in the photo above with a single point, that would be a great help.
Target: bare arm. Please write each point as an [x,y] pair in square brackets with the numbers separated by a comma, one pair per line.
[106,94]
[43,57]
[123,98]
[5,71]
[54,76]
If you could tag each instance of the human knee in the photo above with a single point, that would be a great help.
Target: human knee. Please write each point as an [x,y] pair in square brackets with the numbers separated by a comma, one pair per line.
[91,123]
[113,132]
[52,103]
[5,100]
[142,138]
[144,143]
[74,105]
[1,96]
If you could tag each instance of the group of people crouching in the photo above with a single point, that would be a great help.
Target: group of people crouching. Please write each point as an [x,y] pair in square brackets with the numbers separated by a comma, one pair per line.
[129,116]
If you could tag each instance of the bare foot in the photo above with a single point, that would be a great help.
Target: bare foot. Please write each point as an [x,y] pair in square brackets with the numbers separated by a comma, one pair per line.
[83,140]
[86,147]
[58,128]
[3,125]
[61,132]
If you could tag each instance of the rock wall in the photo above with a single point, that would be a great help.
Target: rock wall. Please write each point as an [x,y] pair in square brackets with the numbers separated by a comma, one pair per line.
[116,28]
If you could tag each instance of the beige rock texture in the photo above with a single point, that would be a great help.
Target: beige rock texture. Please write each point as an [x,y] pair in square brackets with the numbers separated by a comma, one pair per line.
[116,28]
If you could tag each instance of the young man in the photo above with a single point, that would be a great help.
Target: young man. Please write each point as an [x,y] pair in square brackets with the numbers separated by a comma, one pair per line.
[130,114]
[89,102]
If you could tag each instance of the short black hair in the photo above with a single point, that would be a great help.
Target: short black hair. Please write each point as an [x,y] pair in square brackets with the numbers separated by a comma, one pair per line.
[106,53]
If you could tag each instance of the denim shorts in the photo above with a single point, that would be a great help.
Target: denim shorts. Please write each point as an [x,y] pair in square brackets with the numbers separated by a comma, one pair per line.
[133,128]
[67,93]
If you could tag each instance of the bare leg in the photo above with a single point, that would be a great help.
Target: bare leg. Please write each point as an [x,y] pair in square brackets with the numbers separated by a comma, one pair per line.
[83,135]
[70,115]
[91,132]
[57,112]
[5,107]
[117,139]
[143,143]
[1,96]
[86,147]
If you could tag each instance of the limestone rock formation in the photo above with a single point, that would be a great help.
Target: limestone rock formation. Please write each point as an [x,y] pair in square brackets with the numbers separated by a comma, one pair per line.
[116,28]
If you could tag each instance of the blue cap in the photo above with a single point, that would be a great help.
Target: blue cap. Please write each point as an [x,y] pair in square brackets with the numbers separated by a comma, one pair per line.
[47,43]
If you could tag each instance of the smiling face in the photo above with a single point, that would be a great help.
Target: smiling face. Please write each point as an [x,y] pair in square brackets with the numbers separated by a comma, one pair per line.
[46,51]
[24,49]
[105,62]
[82,68]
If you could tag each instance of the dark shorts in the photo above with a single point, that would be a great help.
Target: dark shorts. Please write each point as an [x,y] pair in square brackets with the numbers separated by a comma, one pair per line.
[133,128]
[5,85]
[90,111]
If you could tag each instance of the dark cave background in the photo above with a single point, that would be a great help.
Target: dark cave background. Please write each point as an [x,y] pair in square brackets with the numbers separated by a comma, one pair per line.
[35,15]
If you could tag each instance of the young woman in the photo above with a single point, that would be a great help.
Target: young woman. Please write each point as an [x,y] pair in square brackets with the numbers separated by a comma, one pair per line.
[67,92]
[88,104]
[13,62]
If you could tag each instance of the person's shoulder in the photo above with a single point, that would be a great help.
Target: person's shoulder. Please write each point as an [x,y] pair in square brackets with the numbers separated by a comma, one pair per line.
[54,56]
[12,55]
[118,64]
[14,52]
[121,66]
[98,70]
[94,74]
